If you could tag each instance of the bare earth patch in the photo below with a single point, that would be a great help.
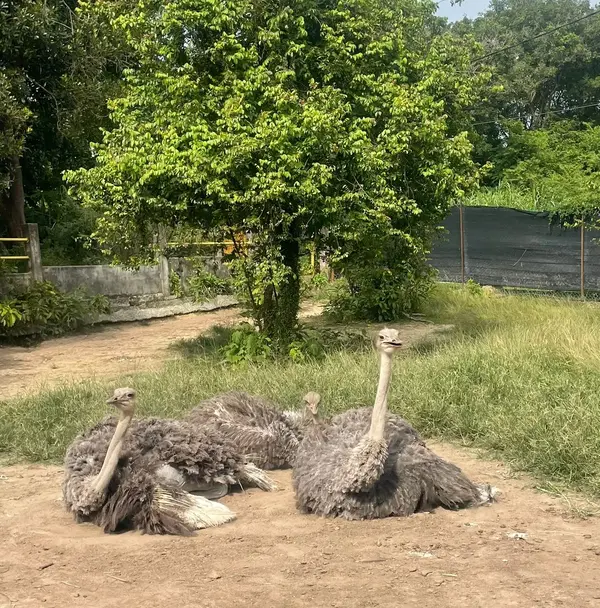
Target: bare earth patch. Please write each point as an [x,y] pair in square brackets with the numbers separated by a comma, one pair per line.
[105,350]
[273,556]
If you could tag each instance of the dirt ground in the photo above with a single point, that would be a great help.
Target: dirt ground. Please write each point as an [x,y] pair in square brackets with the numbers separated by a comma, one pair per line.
[104,350]
[272,556]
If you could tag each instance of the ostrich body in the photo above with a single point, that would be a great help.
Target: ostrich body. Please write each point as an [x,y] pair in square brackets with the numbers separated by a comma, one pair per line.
[367,464]
[266,436]
[138,474]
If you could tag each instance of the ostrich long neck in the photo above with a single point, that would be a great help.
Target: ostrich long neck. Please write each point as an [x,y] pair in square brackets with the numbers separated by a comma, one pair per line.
[378,418]
[112,454]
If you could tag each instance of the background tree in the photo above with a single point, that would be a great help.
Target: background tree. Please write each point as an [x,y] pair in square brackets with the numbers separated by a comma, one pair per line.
[548,77]
[57,68]
[283,121]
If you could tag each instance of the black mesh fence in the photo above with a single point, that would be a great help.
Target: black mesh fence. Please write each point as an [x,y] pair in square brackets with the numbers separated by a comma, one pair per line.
[505,247]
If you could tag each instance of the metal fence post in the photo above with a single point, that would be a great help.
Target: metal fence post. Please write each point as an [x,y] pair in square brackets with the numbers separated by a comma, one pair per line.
[582,255]
[35,253]
[462,243]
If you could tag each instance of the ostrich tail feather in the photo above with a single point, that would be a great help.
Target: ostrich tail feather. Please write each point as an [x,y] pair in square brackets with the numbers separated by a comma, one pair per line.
[196,512]
[251,475]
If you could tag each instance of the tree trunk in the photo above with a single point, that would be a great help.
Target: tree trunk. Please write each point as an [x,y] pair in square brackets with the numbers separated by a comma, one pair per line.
[12,203]
[280,309]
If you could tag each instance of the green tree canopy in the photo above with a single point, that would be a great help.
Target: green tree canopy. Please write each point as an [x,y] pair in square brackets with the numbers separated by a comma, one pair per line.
[57,68]
[561,166]
[541,75]
[342,121]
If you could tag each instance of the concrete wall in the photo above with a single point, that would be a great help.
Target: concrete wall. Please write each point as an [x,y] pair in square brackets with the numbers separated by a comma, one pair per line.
[106,280]
[112,281]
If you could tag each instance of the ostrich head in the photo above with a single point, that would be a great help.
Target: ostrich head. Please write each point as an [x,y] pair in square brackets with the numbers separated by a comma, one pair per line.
[388,341]
[311,401]
[124,400]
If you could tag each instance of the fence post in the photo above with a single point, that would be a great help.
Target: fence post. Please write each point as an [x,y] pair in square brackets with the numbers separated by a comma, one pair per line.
[163,262]
[582,255]
[462,244]
[34,252]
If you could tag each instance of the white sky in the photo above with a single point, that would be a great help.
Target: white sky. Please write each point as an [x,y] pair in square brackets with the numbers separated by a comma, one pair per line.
[469,8]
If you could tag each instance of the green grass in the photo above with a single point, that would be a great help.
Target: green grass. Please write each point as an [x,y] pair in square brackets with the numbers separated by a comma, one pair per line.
[519,376]
[513,197]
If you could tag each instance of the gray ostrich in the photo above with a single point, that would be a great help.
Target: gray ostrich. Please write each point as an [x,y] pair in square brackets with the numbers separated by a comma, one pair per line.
[266,436]
[367,464]
[138,474]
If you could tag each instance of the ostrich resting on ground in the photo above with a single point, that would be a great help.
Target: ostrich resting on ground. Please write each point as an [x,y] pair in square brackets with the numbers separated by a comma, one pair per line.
[367,464]
[266,436]
[139,473]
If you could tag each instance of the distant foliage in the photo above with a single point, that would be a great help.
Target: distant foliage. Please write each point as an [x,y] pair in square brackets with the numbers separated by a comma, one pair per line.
[205,285]
[557,170]
[44,310]
[201,285]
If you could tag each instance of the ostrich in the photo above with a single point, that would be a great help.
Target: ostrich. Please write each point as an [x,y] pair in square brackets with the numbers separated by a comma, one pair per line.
[268,437]
[139,473]
[366,464]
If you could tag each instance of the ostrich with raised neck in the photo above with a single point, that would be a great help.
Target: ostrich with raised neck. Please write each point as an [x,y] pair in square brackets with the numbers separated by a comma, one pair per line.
[368,464]
[139,473]
[265,435]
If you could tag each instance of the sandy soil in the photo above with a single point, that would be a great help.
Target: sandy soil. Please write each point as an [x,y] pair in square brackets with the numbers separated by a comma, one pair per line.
[105,350]
[272,556]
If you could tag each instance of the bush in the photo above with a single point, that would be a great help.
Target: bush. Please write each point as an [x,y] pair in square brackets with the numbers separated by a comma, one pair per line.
[205,285]
[246,345]
[381,293]
[44,310]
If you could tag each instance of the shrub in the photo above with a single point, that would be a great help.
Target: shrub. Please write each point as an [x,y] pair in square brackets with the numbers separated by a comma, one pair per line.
[205,285]
[246,345]
[381,293]
[44,310]
[202,285]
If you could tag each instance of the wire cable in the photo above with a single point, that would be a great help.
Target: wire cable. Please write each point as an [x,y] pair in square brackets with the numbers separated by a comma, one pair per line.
[550,31]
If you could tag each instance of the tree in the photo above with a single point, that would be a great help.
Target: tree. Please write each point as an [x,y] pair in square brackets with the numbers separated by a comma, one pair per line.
[56,72]
[329,120]
[14,118]
[562,168]
[555,75]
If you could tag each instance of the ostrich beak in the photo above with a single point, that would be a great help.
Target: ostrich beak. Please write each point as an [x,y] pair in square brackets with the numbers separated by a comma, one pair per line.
[394,344]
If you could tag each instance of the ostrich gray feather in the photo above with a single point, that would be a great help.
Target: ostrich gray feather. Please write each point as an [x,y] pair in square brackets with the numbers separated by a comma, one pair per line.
[199,456]
[266,436]
[409,476]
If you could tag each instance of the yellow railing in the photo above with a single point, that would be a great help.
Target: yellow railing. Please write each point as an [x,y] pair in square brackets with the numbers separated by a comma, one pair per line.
[14,240]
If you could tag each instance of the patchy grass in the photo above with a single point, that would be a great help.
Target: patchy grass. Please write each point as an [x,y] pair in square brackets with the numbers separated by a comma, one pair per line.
[519,376]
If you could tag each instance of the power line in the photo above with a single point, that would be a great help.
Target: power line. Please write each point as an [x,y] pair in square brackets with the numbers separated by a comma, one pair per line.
[588,105]
[554,29]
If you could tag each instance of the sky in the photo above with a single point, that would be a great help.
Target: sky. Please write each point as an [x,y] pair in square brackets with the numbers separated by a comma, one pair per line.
[468,8]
